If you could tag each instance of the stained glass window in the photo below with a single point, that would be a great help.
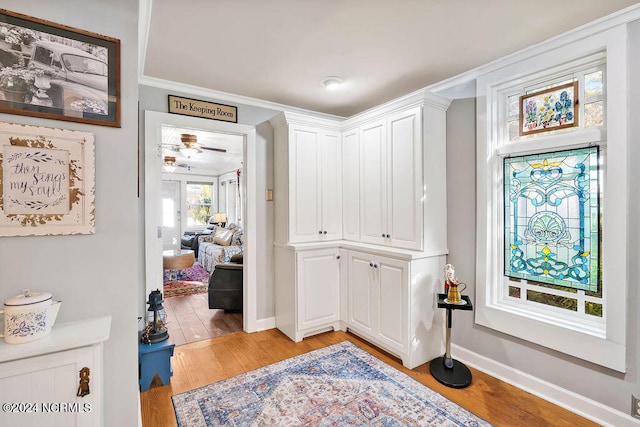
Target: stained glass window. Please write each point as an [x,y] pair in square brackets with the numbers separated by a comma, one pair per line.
[552,218]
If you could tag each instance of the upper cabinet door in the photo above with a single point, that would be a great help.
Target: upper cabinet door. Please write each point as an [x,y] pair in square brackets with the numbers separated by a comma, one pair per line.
[315,184]
[373,182]
[391,187]
[351,185]
[305,210]
[331,185]
[404,178]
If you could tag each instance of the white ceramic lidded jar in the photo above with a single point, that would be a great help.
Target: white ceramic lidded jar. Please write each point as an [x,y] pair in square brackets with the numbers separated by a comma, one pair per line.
[29,316]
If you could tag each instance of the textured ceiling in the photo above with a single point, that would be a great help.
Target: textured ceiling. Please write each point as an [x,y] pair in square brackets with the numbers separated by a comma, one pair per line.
[206,162]
[279,50]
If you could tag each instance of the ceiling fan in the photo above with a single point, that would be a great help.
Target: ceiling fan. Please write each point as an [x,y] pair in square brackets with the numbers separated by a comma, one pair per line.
[170,164]
[190,147]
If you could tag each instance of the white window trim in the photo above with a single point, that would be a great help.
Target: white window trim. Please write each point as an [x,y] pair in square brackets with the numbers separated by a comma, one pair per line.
[208,181]
[603,345]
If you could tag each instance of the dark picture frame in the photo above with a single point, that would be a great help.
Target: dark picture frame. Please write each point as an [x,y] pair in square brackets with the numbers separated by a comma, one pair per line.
[58,72]
[549,109]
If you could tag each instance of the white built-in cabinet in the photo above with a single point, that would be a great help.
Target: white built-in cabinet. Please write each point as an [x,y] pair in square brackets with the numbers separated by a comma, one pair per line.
[307,291]
[318,279]
[360,225]
[391,180]
[351,185]
[39,380]
[312,179]
[390,301]
[378,298]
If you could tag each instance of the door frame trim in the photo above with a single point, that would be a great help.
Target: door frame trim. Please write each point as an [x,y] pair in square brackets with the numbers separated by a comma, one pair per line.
[153,121]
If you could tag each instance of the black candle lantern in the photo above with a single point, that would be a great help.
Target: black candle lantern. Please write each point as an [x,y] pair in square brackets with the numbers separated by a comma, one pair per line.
[155,331]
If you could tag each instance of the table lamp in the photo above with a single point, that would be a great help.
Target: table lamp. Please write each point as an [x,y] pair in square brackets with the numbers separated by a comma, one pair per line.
[220,218]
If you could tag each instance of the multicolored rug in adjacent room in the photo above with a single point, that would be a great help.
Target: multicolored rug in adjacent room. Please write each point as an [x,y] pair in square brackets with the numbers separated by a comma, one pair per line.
[193,280]
[339,385]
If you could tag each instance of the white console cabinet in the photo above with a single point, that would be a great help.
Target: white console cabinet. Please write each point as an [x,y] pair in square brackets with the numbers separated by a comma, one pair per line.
[39,380]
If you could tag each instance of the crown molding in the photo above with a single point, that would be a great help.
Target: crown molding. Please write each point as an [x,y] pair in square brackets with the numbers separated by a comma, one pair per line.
[448,86]
[228,97]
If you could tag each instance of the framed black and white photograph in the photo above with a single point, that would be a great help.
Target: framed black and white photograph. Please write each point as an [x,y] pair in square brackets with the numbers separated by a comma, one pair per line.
[58,72]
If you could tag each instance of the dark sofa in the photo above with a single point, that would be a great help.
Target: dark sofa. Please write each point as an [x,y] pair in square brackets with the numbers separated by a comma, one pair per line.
[225,285]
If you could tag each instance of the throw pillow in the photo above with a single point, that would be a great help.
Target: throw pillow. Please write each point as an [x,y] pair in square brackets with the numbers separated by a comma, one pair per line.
[236,240]
[222,236]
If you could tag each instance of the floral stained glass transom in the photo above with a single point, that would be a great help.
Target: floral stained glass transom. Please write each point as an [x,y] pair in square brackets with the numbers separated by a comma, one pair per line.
[551,218]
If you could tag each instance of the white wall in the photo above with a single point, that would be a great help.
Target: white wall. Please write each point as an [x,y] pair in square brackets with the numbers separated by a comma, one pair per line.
[94,275]
[599,384]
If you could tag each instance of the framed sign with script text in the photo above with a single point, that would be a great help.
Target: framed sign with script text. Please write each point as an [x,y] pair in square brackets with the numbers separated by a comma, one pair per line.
[202,109]
[47,181]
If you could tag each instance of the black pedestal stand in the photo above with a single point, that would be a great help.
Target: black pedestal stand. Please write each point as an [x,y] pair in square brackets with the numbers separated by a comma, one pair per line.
[447,370]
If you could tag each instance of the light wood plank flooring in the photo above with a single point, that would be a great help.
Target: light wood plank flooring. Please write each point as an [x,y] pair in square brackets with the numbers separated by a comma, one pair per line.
[189,319]
[205,362]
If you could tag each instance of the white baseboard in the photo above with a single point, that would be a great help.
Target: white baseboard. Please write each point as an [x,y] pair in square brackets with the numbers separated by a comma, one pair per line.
[590,409]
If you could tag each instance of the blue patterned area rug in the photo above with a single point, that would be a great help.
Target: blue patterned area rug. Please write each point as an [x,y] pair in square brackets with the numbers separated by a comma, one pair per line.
[339,385]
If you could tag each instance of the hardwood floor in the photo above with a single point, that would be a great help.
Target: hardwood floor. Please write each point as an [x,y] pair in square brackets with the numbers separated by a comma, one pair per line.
[189,319]
[205,362]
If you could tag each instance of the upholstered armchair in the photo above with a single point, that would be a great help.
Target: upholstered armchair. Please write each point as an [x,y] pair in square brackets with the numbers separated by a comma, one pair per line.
[225,285]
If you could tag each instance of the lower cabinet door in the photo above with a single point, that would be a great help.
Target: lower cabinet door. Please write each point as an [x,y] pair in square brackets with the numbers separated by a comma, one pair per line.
[42,390]
[394,305]
[363,294]
[378,299]
[318,279]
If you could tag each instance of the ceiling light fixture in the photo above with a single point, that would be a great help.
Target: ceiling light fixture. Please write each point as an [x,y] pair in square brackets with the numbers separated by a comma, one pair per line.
[169,163]
[188,142]
[189,151]
[331,82]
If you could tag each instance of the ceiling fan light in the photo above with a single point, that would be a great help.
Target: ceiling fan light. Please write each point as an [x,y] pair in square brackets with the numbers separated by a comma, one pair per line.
[169,163]
[189,151]
[188,138]
[331,82]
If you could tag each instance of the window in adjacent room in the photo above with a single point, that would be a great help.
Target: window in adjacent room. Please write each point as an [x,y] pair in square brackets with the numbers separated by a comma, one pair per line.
[199,204]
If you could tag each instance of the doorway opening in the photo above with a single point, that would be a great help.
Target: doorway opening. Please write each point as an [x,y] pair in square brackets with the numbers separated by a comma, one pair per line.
[184,197]
[201,191]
